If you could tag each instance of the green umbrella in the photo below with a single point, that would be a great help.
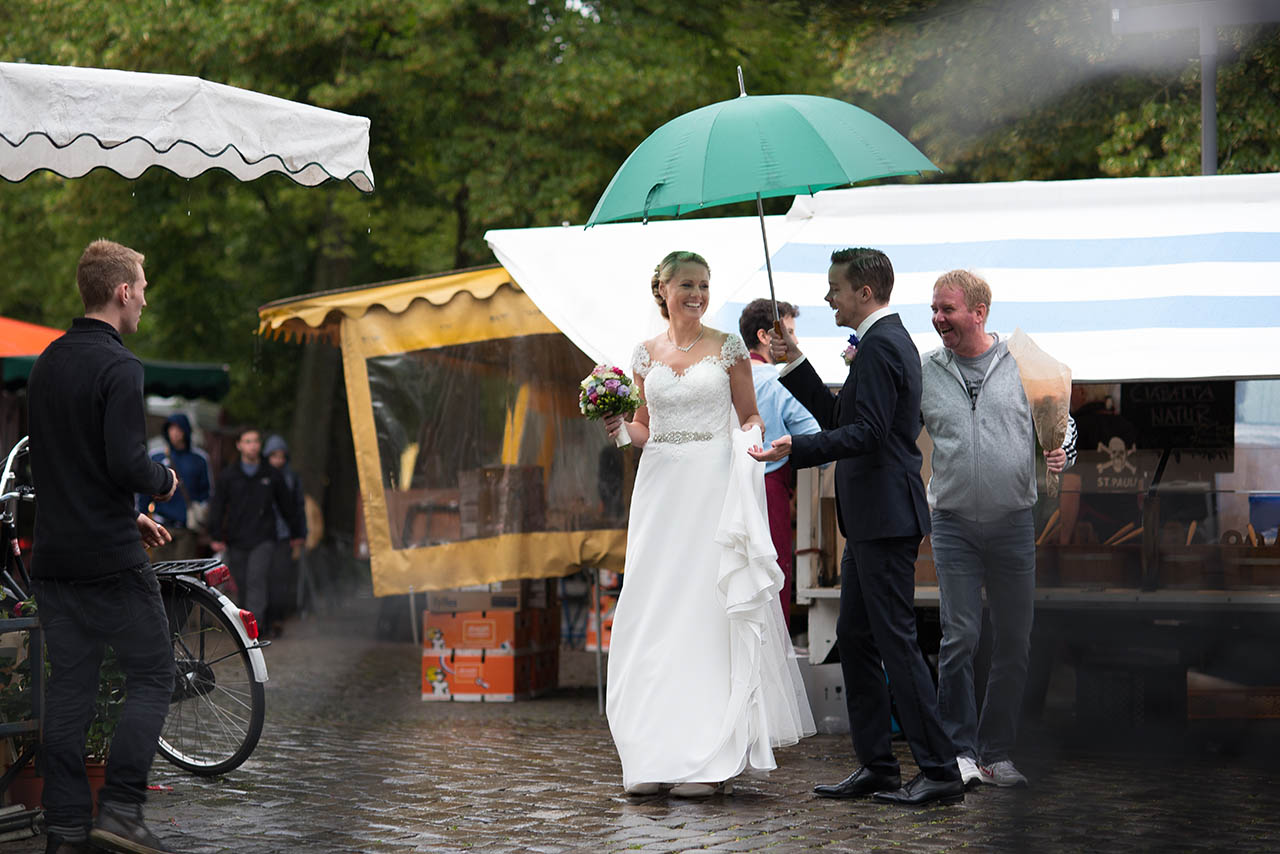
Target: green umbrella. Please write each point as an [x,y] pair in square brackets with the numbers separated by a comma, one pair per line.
[755,147]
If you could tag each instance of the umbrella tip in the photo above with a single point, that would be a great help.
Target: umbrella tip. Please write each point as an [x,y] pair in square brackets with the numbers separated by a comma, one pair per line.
[742,89]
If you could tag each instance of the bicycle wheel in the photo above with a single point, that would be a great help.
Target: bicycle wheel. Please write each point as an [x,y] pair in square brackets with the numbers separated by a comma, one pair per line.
[215,716]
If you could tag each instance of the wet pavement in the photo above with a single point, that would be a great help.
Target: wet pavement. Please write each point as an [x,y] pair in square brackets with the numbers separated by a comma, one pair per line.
[351,760]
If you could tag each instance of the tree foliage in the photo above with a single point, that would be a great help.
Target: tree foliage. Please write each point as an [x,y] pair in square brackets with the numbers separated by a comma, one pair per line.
[515,113]
[485,113]
[1013,90]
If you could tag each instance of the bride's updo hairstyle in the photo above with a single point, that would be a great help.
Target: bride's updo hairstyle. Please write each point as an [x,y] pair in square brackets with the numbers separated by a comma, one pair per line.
[666,269]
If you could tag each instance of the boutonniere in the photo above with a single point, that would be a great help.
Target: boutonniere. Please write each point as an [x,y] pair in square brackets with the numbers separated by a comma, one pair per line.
[851,350]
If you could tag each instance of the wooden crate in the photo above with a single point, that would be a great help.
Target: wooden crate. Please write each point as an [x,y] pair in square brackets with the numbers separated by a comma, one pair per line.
[1194,567]
[1100,565]
[499,500]
[1250,566]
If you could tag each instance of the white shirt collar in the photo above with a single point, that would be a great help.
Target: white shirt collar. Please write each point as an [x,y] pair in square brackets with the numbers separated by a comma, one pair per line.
[865,326]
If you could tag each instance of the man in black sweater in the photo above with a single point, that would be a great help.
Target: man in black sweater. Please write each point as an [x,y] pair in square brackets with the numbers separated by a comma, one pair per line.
[242,520]
[93,583]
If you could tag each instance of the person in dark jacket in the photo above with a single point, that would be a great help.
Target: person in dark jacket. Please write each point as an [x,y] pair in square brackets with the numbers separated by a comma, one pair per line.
[194,484]
[870,430]
[282,590]
[93,583]
[242,519]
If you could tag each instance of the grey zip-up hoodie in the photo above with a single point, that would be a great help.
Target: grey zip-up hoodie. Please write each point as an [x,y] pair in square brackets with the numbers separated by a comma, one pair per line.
[984,449]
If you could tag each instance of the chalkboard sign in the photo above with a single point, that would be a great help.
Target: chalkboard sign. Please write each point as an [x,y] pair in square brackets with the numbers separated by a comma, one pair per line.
[1199,414]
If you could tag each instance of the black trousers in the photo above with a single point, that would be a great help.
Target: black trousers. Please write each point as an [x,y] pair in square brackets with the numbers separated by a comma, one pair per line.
[79,620]
[876,634]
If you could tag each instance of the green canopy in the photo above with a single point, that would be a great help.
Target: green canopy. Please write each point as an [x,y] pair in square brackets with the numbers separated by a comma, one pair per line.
[168,379]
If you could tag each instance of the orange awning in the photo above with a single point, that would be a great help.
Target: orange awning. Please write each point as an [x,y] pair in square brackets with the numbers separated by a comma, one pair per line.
[24,339]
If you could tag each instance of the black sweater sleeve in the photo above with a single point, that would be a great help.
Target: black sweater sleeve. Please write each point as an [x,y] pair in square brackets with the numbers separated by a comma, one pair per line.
[124,432]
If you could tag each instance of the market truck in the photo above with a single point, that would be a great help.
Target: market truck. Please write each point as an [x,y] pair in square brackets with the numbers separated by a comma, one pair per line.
[1157,561]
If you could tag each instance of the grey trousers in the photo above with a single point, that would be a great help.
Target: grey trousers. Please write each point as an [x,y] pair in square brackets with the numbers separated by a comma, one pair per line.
[1000,556]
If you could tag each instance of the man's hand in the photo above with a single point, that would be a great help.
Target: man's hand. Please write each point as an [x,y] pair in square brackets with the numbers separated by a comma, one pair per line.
[783,348]
[218,546]
[153,533]
[172,489]
[1056,460]
[779,449]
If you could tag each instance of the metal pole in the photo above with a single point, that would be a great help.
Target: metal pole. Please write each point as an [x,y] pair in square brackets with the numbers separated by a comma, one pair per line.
[599,646]
[413,616]
[768,265]
[1208,99]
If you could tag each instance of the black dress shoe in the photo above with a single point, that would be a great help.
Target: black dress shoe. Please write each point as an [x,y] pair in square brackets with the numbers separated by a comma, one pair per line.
[860,784]
[922,791]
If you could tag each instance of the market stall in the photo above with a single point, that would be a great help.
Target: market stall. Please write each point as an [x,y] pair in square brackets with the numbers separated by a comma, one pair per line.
[474,463]
[1161,294]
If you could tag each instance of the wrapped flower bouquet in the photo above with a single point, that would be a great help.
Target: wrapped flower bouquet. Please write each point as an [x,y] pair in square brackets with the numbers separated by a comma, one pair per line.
[607,390]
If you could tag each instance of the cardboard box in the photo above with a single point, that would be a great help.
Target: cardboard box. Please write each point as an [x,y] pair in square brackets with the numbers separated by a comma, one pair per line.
[493,676]
[593,633]
[607,603]
[476,630]
[501,595]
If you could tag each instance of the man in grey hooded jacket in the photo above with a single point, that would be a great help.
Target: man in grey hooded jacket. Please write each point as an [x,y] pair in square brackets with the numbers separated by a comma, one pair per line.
[981,494]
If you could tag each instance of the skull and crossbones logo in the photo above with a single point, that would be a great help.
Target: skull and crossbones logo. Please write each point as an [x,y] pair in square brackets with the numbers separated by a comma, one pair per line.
[1118,455]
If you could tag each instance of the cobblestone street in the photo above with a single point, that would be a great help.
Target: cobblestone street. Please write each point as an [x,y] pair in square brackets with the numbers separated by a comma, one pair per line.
[352,760]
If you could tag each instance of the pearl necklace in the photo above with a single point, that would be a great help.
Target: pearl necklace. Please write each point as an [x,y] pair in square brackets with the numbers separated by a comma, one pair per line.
[701,329]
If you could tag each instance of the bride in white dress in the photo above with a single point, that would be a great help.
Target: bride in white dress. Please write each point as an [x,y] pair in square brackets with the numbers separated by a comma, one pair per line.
[703,681]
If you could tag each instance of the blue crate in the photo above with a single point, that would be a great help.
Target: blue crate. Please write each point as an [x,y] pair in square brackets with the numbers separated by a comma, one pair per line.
[1264,513]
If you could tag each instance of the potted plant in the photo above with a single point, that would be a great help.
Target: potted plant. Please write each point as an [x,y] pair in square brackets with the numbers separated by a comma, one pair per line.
[15,705]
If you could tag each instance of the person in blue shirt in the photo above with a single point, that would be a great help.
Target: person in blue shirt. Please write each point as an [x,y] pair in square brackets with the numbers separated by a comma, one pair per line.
[783,415]
[194,485]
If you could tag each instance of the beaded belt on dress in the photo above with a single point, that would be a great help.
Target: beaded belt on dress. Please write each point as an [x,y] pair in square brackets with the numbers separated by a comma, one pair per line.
[679,437]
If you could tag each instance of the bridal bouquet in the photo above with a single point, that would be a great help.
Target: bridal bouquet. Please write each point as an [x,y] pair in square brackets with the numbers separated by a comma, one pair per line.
[609,391]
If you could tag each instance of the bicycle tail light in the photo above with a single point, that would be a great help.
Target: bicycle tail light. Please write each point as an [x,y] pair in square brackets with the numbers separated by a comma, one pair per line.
[218,575]
[250,623]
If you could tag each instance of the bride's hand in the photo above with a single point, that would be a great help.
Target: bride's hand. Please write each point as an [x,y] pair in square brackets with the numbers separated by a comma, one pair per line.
[754,421]
[612,424]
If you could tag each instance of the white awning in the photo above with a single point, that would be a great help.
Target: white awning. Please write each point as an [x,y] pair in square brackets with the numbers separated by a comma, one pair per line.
[1122,279]
[72,120]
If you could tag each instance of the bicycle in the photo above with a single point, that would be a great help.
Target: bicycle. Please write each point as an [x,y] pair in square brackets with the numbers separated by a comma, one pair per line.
[219,702]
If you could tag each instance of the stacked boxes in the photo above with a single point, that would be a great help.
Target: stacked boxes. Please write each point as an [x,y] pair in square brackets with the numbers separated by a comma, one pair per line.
[608,598]
[507,646]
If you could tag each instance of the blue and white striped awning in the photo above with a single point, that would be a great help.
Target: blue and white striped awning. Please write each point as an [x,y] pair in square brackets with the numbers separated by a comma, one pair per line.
[1122,279]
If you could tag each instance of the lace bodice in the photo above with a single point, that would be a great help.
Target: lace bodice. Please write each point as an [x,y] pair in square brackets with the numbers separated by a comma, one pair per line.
[695,405]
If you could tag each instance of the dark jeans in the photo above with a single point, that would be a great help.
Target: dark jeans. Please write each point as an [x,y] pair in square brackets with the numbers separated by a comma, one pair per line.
[876,634]
[282,587]
[79,620]
[251,569]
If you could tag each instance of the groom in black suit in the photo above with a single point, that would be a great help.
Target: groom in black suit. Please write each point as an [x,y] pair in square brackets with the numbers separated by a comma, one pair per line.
[870,429]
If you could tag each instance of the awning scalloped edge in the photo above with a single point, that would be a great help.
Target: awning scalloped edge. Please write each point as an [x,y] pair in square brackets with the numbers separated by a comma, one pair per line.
[308,316]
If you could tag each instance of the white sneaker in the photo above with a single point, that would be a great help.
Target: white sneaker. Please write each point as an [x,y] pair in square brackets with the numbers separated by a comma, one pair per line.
[1002,774]
[970,773]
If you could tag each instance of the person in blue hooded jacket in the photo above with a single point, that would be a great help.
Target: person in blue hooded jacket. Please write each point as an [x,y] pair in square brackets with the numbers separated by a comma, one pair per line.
[194,488]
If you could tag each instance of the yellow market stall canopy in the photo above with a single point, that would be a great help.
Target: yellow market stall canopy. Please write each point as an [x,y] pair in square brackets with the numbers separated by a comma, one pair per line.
[475,465]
